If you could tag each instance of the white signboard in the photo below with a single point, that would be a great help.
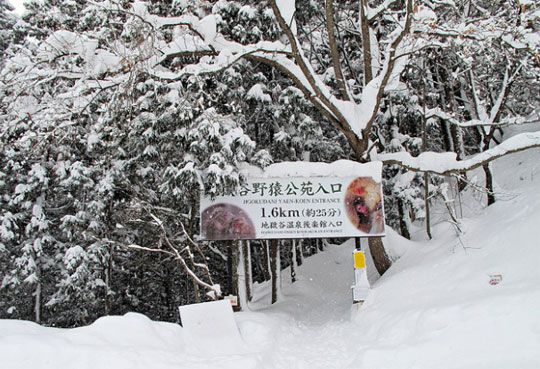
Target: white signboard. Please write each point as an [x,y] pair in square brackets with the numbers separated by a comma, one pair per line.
[296,207]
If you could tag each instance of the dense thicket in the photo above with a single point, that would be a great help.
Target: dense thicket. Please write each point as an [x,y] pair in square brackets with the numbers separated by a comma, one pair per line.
[114,116]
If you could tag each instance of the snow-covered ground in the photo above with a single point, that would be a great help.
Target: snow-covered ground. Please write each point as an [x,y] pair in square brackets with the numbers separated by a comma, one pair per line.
[435,307]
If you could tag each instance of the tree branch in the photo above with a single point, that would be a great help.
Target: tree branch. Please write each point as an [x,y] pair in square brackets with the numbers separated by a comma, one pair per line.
[386,73]
[446,163]
[334,52]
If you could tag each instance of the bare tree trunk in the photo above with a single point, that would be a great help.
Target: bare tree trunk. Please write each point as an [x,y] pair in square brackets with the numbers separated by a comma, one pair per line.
[267,257]
[378,253]
[445,126]
[241,276]
[300,252]
[38,290]
[293,261]
[457,138]
[275,267]
[247,269]
[424,149]
[196,292]
[334,51]
[457,135]
[366,42]
[487,169]
[37,303]
[489,184]
[402,224]
[191,231]
[230,273]
[426,205]
[108,280]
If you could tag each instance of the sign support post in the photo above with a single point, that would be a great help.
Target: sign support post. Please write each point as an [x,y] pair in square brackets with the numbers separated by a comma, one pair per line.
[230,279]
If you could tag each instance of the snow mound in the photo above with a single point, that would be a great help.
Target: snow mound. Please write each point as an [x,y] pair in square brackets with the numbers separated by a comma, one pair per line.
[130,341]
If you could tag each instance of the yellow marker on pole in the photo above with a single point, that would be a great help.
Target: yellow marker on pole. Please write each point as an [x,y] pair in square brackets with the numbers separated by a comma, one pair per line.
[359,259]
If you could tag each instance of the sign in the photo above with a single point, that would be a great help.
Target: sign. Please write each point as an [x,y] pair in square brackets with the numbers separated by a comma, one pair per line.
[232,299]
[210,328]
[296,207]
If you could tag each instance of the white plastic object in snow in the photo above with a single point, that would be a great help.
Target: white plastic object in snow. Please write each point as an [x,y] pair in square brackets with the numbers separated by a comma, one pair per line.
[361,286]
[209,327]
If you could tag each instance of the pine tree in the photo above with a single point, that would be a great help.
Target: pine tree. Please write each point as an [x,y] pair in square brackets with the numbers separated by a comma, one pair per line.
[7,22]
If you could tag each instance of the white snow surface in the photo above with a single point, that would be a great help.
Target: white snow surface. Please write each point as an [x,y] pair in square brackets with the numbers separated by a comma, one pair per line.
[339,168]
[287,9]
[256,92]
[447,161]
[63,42]
[434,308]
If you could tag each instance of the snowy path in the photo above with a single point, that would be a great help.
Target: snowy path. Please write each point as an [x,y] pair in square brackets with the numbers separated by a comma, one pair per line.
[322,292]
[317,313]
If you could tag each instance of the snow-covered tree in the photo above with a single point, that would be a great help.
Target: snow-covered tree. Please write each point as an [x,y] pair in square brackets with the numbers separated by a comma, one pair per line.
[7,21]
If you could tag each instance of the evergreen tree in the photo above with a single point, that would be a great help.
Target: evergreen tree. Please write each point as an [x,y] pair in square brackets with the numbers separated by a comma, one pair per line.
[7,22]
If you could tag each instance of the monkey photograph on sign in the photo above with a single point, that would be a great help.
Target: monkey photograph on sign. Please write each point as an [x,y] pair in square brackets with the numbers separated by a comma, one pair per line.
[363,203]
[226,221]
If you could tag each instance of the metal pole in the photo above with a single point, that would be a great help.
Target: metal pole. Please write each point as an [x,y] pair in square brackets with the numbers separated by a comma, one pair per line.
[357,243]
[230,269]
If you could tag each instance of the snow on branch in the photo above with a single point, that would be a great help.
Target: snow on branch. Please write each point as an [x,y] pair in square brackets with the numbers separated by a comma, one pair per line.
[438,113]
[373,92]
[373,13]
[226,53]
[446,163]
[286,10]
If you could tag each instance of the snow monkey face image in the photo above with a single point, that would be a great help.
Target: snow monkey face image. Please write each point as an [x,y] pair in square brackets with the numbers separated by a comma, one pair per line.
[363,203]
[226,222]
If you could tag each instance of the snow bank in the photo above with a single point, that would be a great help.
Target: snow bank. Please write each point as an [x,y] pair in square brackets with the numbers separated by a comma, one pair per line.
[131,341]
[436,308]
